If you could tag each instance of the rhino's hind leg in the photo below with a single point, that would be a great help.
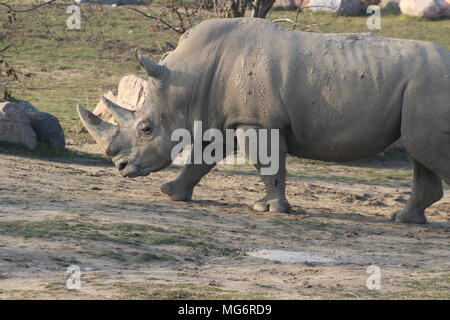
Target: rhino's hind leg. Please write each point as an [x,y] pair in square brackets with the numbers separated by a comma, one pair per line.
[273,175]
[427,189]
[275,199]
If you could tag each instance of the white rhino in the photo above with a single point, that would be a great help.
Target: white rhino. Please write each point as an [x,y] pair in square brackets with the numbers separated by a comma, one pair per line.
[334,97]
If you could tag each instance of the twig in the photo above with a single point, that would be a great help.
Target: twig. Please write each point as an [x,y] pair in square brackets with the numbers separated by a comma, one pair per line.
[26,10]
[157,19]
[6,48]
[160,48]
[299,10]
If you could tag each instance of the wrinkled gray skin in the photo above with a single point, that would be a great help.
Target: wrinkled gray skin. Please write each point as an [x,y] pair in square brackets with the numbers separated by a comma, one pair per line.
[333,97]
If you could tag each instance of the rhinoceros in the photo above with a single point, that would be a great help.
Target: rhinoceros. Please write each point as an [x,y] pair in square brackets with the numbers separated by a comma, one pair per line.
[333,97]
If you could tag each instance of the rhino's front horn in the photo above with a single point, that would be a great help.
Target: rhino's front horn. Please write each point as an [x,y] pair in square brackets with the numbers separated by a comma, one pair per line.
[121,115]
[100,130]
[153,69]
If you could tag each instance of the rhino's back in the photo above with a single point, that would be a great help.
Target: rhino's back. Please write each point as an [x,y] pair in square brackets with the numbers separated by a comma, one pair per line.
[339,95]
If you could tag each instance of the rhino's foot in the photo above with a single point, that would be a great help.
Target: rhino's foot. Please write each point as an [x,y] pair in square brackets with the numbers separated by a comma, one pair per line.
[409,216]
[272,205]
[177,191]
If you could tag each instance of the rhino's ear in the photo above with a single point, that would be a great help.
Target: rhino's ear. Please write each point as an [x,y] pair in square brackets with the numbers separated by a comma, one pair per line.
[122,116]
[154,70]
[100,130]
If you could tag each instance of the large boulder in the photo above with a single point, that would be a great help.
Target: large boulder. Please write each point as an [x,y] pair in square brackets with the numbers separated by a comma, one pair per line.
[392,6]
[46,127]
[342,7]
[427,9]
[15,126]
[371,2]
[132,93]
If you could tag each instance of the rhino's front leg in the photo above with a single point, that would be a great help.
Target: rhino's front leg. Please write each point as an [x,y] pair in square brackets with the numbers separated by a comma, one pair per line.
[182,187]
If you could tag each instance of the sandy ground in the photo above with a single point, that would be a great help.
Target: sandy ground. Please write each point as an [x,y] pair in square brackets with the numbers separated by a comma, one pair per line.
[130,241]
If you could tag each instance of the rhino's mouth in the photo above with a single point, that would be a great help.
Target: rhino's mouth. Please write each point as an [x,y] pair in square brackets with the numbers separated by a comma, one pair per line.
[133,170]
[134,174]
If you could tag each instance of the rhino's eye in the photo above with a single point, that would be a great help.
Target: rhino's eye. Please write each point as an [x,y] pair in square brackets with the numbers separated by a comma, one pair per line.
[144,129]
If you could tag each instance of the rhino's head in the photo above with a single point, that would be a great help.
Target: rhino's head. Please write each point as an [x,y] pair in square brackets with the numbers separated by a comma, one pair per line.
[140,142]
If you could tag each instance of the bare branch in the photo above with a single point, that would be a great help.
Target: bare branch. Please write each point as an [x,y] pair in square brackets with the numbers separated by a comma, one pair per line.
[159,19]
[6,48]
[295,22]
[26,10]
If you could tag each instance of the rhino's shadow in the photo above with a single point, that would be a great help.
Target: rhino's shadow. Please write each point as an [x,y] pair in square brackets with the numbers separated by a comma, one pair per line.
[46,153]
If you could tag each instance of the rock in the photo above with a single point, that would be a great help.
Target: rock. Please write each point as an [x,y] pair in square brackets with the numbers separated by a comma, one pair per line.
[371,2]
[15,126]
[392,6]
[46,126]
[396,145]
[427,9]
[100,109]
[342,7]
[383,3]
[48,129]
[26,106]
[132,93]
[365,4]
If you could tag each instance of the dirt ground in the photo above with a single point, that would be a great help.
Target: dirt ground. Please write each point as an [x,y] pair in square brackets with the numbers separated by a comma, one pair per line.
[130,241]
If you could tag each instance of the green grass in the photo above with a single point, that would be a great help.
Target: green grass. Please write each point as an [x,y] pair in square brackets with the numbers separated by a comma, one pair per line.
[144,290]
[59,68]
[400,178]
[133,236]
[65,261]
[94,230]
[391,169]
[150,257]
[183,291]
[401,27]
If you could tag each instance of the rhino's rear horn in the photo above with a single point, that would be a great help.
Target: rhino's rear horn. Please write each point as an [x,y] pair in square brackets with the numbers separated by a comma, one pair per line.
[121,115]
[100,130]
[154,70]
